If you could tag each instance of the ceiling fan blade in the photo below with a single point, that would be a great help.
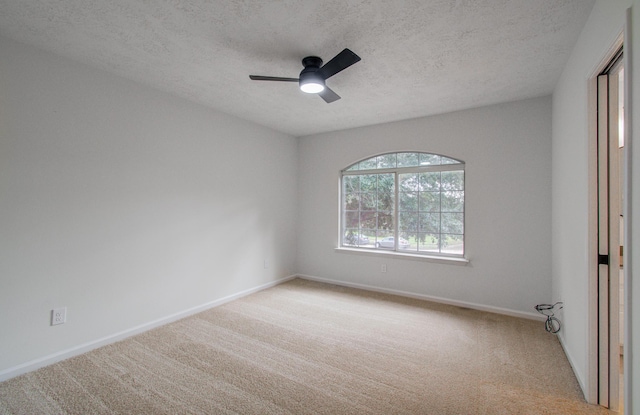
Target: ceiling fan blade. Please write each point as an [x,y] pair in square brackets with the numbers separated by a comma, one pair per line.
[328,95]
[272,78]
[339,62]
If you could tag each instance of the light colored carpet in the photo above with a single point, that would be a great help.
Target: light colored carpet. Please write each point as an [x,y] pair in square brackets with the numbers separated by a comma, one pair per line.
[309,348]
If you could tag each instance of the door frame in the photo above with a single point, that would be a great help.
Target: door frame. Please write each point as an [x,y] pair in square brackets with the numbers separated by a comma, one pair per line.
[592,392]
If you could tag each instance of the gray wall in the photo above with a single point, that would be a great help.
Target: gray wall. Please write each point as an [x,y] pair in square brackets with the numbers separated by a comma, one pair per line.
[507,151]
[127,205]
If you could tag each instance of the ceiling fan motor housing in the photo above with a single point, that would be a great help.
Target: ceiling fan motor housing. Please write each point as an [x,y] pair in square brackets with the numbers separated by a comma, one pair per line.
[311,62]
[309,73]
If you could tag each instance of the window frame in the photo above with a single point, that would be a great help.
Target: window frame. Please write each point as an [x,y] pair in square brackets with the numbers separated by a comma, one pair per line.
[452,164]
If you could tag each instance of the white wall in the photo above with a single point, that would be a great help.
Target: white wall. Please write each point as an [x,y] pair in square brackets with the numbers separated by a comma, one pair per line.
[127,205]
[507,150]
[571,178]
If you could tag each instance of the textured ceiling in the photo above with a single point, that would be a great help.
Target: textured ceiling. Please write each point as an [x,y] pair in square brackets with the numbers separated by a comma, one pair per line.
[419,57]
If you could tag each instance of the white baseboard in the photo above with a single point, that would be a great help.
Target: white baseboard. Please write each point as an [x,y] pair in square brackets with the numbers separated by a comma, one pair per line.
[86,347]
[480,307]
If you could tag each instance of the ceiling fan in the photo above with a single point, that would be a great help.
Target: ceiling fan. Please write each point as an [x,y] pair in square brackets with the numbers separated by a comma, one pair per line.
[313,76]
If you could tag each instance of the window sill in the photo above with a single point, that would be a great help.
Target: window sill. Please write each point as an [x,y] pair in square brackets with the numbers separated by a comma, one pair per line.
[395,254]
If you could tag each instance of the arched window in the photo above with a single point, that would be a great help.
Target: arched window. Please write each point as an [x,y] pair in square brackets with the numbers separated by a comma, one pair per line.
[408,202]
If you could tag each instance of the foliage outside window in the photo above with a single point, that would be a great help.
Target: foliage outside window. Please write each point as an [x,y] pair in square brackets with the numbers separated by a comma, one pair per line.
[408,202]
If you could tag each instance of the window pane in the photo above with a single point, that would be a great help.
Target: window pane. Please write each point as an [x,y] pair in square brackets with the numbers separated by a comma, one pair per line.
[429,159]
[368,164]
[429,222]
[351,201]
[408,159]
[386,202]
[385,221]
[403,243]
[430,181]
[386,192]
[411,239]
[408,222]
[354,167]
[352,220]
[368,201]
[453,244]
[368,220]
[350,237]
[369,237]
[453,180]
[447,160]
[384,239]
[368,182]
[429,202]
[409,182]
[452,223]
[355,238]
[386,183]
[408,201]
[383,233]
[453,201]
[386,161]
[429,242]
[351,183]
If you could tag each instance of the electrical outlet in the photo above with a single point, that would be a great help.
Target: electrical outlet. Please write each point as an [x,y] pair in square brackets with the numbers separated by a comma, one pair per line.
[266,264]
[58,316]
[383,268]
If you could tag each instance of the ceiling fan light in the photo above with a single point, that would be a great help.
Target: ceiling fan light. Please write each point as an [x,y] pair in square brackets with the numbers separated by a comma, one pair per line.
[311,83]
[312,86]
